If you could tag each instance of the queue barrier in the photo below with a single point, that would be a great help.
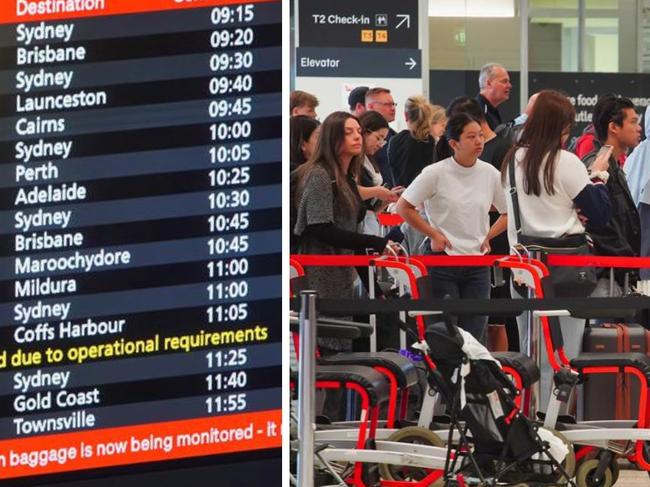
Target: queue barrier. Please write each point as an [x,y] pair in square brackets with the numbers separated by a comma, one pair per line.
[307,260]
[478,306]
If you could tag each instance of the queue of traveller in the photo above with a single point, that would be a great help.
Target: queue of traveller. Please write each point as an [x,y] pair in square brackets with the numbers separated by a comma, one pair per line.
[447,176]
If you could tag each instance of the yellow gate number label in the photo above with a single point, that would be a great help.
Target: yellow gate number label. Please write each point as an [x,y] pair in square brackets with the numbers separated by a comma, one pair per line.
[381,36]
[367,36]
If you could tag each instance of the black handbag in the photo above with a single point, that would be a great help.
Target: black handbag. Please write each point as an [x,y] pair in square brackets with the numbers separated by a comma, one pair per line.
[568,282]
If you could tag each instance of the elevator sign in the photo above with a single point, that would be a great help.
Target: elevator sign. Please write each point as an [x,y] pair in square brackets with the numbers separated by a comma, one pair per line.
[367,23]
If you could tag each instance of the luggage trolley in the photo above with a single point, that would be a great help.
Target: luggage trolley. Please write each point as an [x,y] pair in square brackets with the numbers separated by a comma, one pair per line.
[616,437]
[386,449]
[364,453]
[397,369]
[397,374]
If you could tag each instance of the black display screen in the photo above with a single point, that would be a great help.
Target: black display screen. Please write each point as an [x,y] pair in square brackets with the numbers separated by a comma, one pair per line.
[140,235]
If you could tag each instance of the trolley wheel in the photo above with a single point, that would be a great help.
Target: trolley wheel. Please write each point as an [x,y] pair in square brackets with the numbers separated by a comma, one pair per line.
[613,465]
[585,475]
[416,435]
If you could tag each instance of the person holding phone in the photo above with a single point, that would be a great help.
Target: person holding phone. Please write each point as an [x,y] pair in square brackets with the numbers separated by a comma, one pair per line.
[457,194]
[617,127]
[375,194]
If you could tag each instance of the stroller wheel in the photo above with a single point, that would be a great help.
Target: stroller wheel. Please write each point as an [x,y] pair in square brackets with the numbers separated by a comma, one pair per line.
[616,470]
[568,464]
[416,435]
[585,475]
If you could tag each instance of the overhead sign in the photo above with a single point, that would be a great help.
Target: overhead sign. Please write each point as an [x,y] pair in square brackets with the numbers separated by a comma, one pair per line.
[357,63]
[341,44]
[366,23]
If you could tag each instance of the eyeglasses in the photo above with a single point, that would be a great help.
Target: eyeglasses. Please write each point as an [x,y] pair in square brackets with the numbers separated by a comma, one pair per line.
[385,103]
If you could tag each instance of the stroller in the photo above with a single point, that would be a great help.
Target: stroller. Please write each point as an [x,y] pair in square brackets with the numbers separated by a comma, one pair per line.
[498,445]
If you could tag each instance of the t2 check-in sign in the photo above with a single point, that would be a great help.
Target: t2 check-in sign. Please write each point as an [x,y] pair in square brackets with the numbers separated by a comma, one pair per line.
[342,44]
[367,23]
[340,38]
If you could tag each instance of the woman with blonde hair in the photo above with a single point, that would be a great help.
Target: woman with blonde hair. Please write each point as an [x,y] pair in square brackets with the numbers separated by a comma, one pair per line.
[438,122]
[412,149]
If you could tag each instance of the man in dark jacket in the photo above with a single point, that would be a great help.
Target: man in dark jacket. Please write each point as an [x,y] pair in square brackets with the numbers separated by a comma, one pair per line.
[357,100]
[381,100]
[616,124]
[494,85]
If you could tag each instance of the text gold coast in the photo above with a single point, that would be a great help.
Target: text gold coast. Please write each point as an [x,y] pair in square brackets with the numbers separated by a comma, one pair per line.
[43,401]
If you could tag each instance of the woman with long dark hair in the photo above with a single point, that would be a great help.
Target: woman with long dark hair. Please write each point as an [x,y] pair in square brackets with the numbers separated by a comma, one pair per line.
[328,210]
[328,205]
[457,194]
[555,196]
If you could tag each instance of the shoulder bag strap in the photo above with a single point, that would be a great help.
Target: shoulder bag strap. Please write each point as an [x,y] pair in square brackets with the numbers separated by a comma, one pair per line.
[513,194]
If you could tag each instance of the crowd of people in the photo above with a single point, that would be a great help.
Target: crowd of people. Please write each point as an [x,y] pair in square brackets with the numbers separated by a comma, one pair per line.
[447,176]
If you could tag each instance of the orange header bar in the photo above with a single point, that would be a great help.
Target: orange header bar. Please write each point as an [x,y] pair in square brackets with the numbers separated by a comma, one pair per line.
[142,443]
[19,11]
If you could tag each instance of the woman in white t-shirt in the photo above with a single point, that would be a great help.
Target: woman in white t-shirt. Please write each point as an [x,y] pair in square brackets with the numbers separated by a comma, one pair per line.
[555,199]
[457,194]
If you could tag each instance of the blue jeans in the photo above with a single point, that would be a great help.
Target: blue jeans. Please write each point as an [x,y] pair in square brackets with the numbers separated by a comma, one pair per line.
[464,283]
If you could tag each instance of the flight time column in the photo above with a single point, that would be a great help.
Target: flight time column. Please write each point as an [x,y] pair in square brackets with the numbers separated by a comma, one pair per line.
[230,131]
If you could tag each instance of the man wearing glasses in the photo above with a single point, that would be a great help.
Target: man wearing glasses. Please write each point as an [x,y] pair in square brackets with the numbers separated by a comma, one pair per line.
[381,101]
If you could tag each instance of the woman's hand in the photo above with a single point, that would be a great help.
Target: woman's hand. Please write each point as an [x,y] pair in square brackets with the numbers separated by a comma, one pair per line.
[387,195]
[439,242]
[393,248]
[486,248]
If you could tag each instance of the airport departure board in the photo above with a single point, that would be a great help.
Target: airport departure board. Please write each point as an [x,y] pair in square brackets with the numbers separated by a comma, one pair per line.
[140,232]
